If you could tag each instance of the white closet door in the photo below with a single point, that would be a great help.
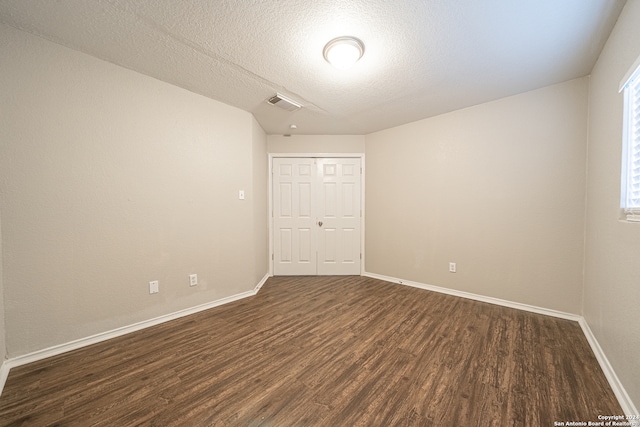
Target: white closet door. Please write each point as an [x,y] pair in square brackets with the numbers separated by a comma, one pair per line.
[294,224]
[339,216]
[316,216]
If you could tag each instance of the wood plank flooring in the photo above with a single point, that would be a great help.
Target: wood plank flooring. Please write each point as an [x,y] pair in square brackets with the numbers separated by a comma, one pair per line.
[324,351]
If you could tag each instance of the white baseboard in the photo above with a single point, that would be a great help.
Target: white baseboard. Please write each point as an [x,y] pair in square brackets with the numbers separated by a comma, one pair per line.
[4,374]
[261,283]
[476,297]
[618,389]
[103,336]
[623,398]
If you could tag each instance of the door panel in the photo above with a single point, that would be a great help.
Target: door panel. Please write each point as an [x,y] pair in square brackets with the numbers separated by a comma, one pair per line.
[294,220]
[339,212]
[317,216]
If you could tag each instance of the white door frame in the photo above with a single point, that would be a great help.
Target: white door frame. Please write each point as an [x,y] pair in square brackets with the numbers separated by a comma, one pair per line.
[315,156]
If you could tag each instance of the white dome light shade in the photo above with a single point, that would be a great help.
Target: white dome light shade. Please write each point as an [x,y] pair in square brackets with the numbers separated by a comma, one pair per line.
[343,52]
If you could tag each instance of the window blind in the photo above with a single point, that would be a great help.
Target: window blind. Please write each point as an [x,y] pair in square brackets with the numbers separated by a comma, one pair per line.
[630,185]
[633,144]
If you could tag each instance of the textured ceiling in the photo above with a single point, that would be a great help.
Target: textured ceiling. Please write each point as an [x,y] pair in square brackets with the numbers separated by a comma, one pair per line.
[423,57]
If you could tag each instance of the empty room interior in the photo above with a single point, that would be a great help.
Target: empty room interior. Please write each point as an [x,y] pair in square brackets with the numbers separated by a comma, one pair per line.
[206,219]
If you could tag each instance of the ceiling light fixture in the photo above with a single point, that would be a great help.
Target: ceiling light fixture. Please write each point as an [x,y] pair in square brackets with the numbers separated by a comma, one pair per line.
[343,52]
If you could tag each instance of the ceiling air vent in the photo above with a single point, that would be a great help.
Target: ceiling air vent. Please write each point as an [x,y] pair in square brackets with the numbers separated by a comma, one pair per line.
[284,103]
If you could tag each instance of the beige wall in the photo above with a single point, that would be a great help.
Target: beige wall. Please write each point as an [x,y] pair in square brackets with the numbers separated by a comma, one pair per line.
[317,144]
[3,346]
[110,179]
[497,188]
[612,275]
[259,196]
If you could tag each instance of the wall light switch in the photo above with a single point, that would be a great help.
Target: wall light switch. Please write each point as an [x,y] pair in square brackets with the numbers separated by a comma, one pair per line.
[154,287]
[241,195]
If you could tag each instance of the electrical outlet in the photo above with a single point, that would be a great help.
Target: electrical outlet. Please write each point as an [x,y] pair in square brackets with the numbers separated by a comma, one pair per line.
[154,287]
[452,267]
[193,279]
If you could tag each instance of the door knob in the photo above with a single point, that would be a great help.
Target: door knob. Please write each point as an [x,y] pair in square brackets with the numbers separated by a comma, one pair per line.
[320,223]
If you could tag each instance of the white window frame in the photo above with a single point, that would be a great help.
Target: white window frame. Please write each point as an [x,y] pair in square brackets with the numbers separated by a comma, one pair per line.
[630,179]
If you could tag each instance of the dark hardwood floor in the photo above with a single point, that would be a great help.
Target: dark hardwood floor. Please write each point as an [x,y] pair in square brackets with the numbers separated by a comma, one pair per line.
[324,351]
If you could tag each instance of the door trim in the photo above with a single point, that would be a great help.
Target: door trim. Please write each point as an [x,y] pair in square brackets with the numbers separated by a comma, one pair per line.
[316,156]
